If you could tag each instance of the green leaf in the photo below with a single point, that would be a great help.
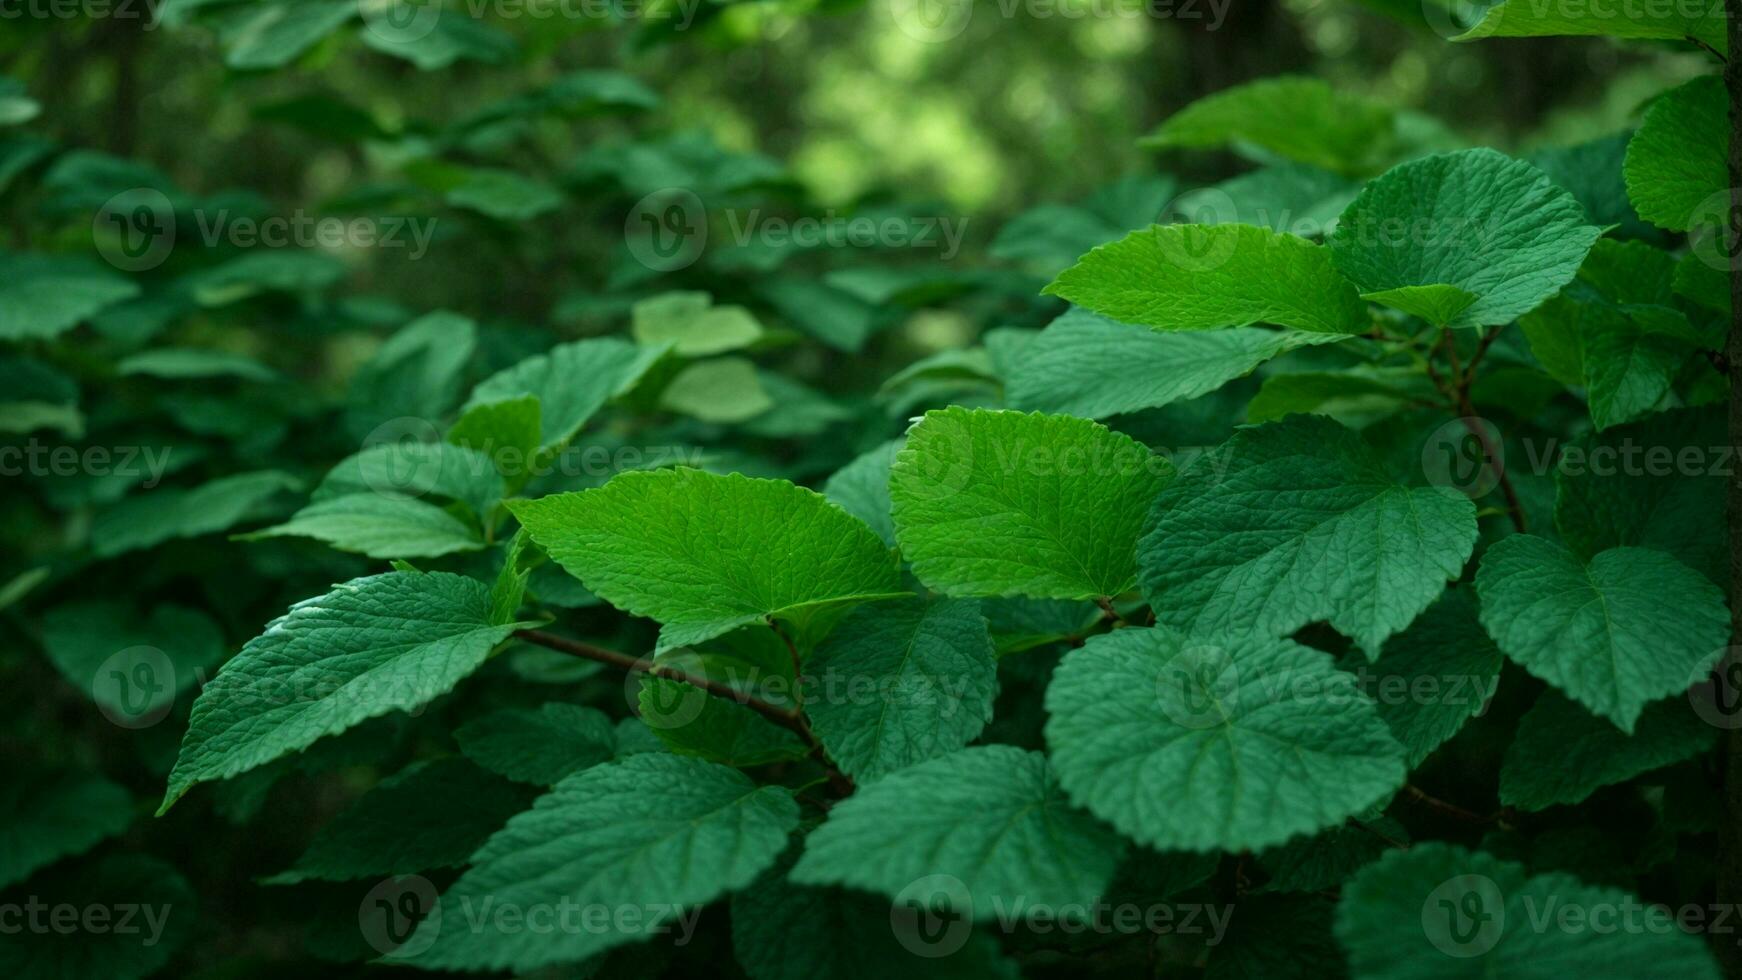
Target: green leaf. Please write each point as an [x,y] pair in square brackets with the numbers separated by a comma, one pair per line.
[1625,357]
[1205,277]
[725,390]
[1703,282]
[1626,628]
[1438,304]
[900,683]
[1474,222]
[505,195]
[158,904]
[571,382]
[1297,521]
[834,316]
[861,488]
[1437,910]
[538,745]
[265,270]
[16,105]
[43,296]
[428,815]
[53,815]
[508,592]
[154,516]
[415,470]
[1658,484]
[1351,396]
[689,721]
[783,931]
[1004,503]
[507,433]
[1563,753]
[379,526]
[189,362]
[1591,172]
[704,554]
[1326,860]
[373,645]
[1209,743]
[992,817]
[1052,236]
[272,35]
[660,833]
[415,375]
[451,36]
[132,665]
[1676,161]
[1301,200]
[1086,365]
[1667,22]
[692,325]
[1299,119]
[1435,676]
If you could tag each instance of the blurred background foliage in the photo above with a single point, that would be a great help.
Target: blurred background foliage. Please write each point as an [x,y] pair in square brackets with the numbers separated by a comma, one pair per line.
[527,141]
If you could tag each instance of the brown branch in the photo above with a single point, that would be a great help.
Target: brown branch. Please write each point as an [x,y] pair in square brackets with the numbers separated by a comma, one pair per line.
[1457,393]
[1452,809]
[1729,857]
[789,719]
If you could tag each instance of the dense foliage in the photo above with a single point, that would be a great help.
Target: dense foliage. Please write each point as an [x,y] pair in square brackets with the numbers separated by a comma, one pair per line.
[578,545]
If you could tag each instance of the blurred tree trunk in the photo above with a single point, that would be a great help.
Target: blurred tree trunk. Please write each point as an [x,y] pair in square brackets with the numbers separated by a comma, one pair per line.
[1256,38]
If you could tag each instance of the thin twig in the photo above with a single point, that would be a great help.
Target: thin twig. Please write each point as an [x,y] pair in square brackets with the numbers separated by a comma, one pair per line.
[789,719]
[1457,392]
[1452,809]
